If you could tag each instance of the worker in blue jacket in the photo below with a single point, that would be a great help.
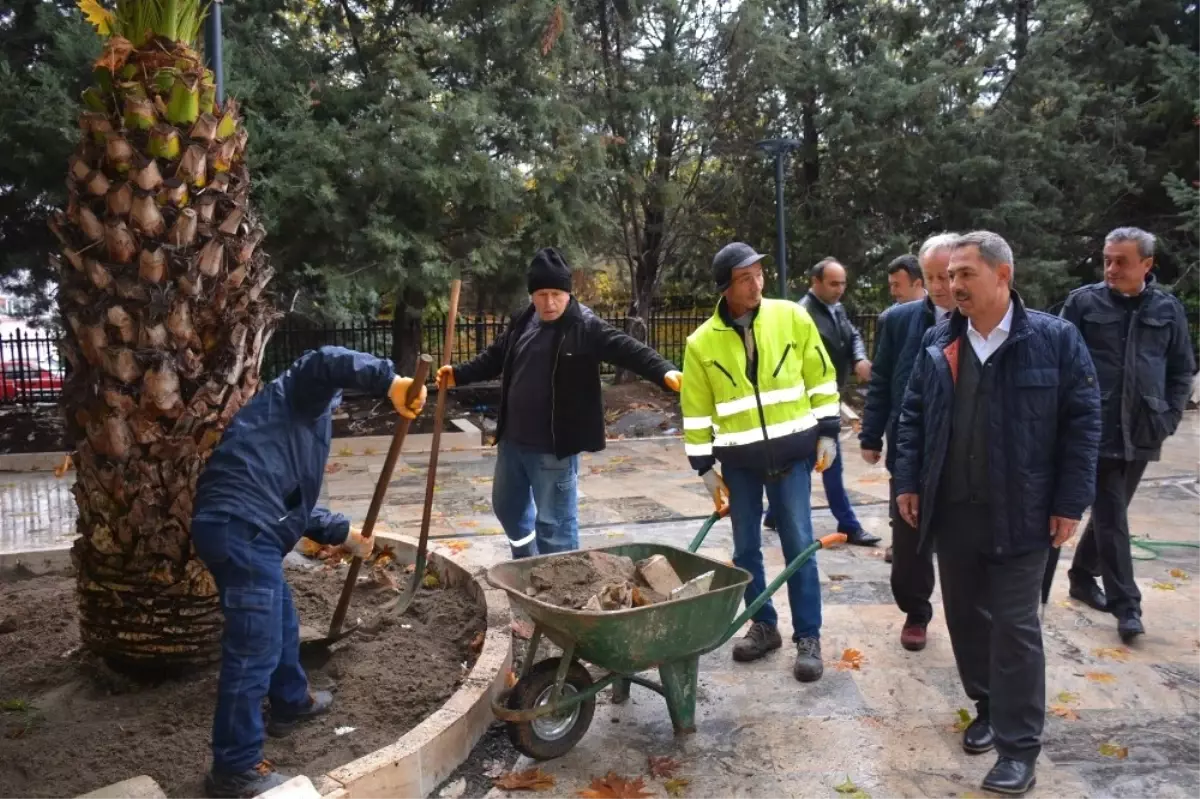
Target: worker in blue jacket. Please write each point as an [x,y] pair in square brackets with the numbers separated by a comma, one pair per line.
[254,500]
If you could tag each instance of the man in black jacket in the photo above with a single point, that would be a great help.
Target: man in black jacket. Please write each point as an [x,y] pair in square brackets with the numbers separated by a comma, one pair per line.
[551,407]
[996,447]
[1138,336]
[898,335]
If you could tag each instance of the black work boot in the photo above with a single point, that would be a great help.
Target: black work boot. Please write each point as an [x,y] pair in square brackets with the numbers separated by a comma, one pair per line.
[1089,594]
[761,639]
[243,784]
[808,666]
[1010,776]
[282,724]
[979,737]
[860,537]
[1129,626]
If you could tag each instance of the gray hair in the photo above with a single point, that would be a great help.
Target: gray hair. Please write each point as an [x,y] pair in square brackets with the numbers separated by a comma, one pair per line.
[1145,241]
[993,249]
[942,241]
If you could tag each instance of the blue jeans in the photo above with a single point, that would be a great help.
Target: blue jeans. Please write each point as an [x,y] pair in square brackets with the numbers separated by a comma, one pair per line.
[260,648]
[535,497]
[835,493]
[789,496]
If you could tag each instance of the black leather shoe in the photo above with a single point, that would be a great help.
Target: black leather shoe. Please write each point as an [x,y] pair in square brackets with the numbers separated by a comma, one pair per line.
[978,737]
[1130,627]
[861,538]
[1010,777]
[1090,595]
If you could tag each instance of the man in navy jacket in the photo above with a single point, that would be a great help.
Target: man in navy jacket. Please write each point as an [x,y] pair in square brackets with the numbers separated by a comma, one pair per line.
[996,451]
[899,333]
[254,500]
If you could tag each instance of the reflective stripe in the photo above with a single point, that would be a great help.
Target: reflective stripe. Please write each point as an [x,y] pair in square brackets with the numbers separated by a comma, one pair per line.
[773,431]
[697,422]
[697,450]
[825,411]
[824,388]
[743,404]
[524,541]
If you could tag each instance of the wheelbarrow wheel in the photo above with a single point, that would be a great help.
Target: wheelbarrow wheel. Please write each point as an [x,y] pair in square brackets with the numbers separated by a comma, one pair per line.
[550,736]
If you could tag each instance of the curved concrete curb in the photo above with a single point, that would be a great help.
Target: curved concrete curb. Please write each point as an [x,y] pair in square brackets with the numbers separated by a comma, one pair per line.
[426,754]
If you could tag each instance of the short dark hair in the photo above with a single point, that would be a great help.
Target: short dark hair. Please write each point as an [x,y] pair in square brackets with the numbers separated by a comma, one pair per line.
[906,263]
[818,270]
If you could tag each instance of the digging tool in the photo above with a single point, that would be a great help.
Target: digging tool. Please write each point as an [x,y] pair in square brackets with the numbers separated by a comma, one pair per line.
[308,636]
[402,602]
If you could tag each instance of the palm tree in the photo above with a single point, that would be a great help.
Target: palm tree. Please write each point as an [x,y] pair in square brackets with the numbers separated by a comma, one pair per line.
[162,300]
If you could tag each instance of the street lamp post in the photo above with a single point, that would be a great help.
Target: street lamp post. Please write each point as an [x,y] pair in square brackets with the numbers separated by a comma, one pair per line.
[212,48]
[779,148]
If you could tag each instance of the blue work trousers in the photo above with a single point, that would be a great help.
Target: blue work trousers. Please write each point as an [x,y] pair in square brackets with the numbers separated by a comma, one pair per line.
[260,648]
[835,493]
[789,495]
[535,497]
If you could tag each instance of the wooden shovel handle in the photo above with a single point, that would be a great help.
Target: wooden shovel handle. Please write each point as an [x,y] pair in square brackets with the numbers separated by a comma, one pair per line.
[385,477]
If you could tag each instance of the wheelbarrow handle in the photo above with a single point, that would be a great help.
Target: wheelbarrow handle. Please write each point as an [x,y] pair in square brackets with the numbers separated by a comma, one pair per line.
[810,550]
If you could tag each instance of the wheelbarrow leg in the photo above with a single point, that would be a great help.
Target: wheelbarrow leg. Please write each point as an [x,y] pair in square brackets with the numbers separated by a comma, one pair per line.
[679,689]
[620,691]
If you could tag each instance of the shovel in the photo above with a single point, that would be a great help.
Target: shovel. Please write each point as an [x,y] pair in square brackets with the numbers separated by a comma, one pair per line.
[402,602]
[310,639]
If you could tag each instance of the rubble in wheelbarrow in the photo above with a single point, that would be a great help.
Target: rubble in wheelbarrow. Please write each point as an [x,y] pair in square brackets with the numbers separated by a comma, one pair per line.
[600,581]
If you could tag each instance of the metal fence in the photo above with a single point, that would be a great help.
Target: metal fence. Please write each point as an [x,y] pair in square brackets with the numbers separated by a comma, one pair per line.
[32,372]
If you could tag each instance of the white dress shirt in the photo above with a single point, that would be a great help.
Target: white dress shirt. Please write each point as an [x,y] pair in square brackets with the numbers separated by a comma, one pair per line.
[983,345]
[940,313]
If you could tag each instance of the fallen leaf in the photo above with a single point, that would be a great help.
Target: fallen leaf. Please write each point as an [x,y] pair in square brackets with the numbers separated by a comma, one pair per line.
[333,468]
[383,578]
[851,659]
[430,580]
[521,629]
[345,452]
[612,786]
[1066,697]
[1113,653]
[533,779]
[1161,586]
[510,679]
[456,546]
[835,588]
[964,720]
[476,642]
[1100,676]
[662,766]
[837,578]
[850,789]
[1179,574]
[369,451]
[1110,749]
[467,523]
[1062,711]
[676,785]
[384,557]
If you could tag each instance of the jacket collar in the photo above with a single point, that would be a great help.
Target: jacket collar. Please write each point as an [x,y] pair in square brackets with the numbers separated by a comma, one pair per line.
[570,316]
[723,318]
[1018,328]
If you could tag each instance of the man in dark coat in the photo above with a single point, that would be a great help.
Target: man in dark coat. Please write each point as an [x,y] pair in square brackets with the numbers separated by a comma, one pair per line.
[551,406]
[1138,336]
[844,344]
[996,448]
[254,500]
[899,331]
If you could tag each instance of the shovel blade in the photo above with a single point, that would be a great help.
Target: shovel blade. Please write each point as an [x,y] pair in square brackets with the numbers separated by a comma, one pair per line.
[312,638]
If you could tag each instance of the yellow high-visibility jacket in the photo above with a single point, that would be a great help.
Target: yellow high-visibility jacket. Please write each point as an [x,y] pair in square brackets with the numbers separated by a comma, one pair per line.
[767,419]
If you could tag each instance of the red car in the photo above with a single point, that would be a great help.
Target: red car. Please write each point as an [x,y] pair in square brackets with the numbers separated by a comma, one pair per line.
[28,382]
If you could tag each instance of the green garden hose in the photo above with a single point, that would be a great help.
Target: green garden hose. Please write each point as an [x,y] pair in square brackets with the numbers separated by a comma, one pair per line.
[1152,547]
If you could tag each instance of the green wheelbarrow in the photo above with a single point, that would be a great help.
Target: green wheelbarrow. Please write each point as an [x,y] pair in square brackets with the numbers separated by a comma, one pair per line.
[551,705]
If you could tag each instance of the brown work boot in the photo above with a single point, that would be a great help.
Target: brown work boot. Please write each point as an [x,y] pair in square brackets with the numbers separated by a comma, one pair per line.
[761,639]
[913,636]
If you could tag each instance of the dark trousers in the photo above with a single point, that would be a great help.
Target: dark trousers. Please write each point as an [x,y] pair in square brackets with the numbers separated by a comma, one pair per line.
[991,606]
[912,571]
[260,648]
[1103,549]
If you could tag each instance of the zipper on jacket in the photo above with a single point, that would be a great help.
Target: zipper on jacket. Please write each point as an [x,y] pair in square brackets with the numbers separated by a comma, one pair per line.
[824,366]
[553,393]
[782,358]
[725,372]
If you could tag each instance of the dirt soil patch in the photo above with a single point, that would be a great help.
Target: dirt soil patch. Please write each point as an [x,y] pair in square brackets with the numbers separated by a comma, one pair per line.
[36,428]
[69,725]
[368,416]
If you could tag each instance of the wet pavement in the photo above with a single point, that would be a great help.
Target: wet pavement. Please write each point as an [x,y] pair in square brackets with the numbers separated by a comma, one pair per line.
[1124,722]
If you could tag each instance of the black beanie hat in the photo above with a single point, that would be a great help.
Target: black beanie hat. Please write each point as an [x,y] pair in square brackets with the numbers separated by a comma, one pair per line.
[732,256]
[549,270]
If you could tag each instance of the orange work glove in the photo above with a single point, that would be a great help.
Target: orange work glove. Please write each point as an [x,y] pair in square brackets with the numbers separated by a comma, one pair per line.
[398,394]
[445,376]
[673,380]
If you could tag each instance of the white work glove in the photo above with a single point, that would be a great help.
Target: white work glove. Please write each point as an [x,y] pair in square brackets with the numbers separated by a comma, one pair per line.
[716,489]
[826,453]
[358,546]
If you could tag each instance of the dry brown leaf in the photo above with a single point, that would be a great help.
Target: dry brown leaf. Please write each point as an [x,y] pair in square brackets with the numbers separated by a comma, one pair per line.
[521,629]
[612,786]
[456,546]
[533,779]
[384,579]
[334,468]
[1161,586]
[510,678]
[1120,653]
[676,785]
[115,54]
[1062,711]
[384,557]
[1179,574]
[476,642]
[1100,676]
[1110,749]
[851,659]
[662,766]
